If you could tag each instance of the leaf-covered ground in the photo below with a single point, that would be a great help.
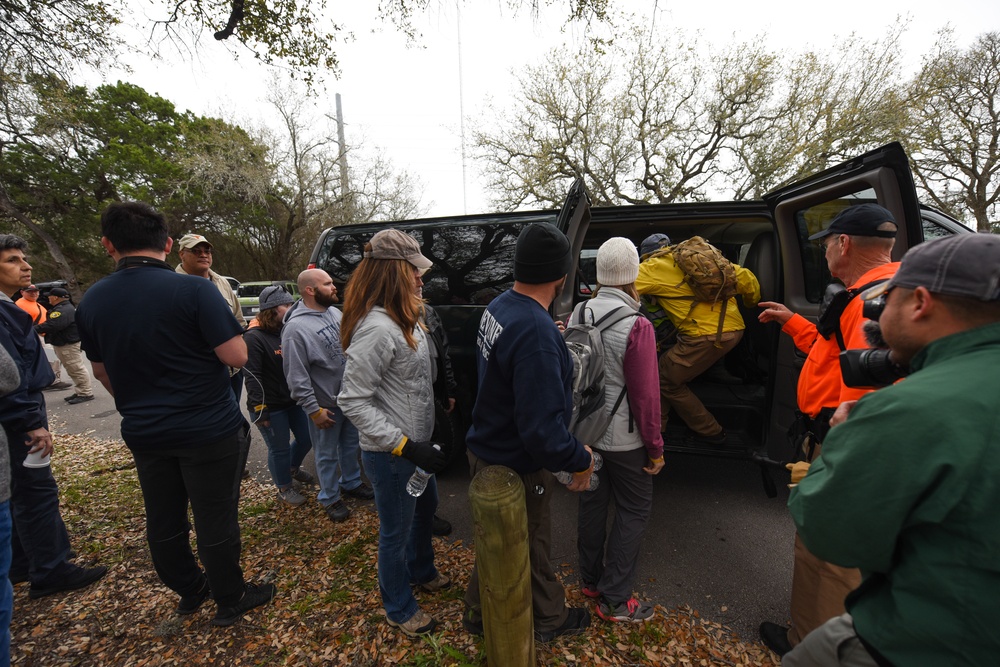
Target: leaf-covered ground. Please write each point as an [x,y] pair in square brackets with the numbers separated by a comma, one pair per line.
[327,611]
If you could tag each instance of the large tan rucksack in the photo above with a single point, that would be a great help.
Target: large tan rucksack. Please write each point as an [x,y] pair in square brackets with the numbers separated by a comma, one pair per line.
[710,275]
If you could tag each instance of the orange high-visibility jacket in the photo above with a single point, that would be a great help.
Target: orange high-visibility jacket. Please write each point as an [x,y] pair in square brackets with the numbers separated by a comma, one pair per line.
[821,384]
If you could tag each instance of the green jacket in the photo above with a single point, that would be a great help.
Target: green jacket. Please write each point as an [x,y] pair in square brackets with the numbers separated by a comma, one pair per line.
[908,490]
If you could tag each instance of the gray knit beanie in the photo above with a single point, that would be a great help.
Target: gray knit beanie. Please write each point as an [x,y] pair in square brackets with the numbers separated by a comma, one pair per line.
[274,296]
[617,262]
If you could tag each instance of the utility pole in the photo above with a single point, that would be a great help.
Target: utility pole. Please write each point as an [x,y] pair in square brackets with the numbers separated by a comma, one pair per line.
[461,108]
[345,193]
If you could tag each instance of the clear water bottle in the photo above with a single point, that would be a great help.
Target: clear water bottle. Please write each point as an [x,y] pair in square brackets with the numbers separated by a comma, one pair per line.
[566,477]
[418,480]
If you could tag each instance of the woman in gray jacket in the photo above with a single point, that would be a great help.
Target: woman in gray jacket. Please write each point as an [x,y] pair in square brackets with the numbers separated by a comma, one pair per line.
[387,394]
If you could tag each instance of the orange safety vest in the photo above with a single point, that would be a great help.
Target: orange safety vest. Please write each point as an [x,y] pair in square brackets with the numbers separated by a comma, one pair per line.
[33,308]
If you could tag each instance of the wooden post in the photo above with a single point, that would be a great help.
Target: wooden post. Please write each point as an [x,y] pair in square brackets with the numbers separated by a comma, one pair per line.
[501,529]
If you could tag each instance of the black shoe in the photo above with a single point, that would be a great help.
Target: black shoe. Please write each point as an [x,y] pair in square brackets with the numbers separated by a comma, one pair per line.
[254,595]
[364,492]
[440,526]
[338,511]
[577,620]
[189,604]
[717,439]
[77,398]
[57,386]
[473,625]
[79,577]
[74,395]
[775,637]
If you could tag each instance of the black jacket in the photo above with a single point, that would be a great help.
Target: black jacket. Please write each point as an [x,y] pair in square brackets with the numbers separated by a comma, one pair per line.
[60,327]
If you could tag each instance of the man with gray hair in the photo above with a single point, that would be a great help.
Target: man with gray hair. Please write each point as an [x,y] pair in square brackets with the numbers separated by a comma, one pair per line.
[314,368]
[906,486]
[40,543]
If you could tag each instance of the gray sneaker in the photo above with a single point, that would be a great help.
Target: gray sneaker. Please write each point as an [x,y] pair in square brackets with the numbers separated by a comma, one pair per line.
[291,496]
[302,477]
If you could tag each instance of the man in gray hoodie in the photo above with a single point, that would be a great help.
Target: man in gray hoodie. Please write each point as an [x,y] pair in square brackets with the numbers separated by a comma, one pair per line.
[314,367]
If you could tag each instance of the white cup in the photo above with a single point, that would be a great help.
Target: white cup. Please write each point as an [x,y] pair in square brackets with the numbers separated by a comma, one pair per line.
[36,460]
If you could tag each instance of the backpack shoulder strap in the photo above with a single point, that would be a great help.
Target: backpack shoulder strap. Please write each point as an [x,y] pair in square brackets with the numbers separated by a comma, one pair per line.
[603,324]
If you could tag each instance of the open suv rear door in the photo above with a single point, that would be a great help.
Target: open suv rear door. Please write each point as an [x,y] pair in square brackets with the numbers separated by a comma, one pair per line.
[881,176]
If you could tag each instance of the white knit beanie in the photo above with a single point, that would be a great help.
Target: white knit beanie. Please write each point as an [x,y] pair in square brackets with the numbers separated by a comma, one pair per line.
[617,262]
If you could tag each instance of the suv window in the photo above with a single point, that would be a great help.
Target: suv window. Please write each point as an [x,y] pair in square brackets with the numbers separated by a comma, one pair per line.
[812,220]
[473,263]
[251,289]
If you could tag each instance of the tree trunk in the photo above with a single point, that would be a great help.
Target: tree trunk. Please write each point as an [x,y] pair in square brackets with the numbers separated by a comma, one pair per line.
[7,207]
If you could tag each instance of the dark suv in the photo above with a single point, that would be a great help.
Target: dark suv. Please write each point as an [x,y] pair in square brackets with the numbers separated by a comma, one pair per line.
[473,263]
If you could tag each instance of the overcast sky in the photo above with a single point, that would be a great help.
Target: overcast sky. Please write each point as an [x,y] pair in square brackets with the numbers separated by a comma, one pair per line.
[406,101]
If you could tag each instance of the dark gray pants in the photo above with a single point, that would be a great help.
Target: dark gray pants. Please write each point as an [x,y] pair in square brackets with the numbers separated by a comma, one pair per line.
[833,644]
[609,561]
[548,598]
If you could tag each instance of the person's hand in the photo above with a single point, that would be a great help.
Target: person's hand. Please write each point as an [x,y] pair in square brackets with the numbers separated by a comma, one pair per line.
[774,312]
[264,423]
[842,412]
[322,418]
[560,325]
[654,467]
[451,405]
[798,470]
[424,455]
[581,480]
[39,440]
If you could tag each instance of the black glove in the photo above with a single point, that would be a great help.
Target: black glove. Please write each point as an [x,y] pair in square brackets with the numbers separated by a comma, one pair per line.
[425,456]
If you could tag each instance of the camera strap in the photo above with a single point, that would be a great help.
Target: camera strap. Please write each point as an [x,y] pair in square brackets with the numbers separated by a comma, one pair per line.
[834,303]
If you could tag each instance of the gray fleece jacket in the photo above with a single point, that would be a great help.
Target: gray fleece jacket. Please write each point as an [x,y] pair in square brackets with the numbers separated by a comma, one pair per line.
[387,389]
[312,356]
[10,380]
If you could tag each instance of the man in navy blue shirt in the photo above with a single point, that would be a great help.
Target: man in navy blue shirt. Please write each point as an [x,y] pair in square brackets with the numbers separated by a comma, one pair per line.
[522,413]
[161,342]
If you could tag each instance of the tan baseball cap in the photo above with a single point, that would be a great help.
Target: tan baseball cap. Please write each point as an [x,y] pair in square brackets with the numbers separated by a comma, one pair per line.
[189,241]
[394,244]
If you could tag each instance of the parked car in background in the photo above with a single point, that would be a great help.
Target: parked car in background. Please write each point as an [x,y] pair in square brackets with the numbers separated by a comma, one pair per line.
[45,287]
[233,282]
[473,263]
[248,294]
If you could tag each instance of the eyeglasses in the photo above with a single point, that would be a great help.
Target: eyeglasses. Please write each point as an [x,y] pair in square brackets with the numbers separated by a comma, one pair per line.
[828,241]
[200,251]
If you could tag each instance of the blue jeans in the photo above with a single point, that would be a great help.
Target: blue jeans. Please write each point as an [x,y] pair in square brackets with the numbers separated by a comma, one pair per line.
[282,456]
[6,590]
[405,553]
[336,451]
[39,542]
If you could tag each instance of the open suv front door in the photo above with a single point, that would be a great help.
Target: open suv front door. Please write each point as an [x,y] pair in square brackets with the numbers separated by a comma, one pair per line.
[799,210]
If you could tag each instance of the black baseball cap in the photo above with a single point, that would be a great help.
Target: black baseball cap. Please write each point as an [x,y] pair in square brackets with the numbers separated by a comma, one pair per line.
[60,292]
[652,243]
[860,220]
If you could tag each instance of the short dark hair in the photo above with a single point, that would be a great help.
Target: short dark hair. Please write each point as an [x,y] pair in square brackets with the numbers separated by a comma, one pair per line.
[11,242]
[134,225]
